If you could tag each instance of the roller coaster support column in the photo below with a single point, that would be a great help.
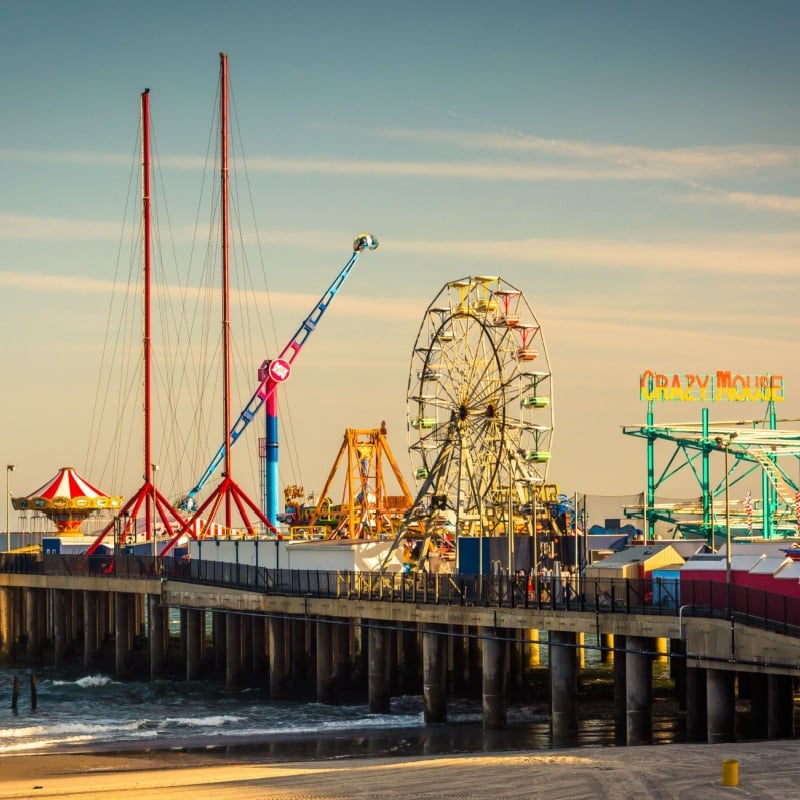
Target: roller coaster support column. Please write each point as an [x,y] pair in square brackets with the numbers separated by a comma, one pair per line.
[768,491]
[767,506]
[706,479]
[651,494]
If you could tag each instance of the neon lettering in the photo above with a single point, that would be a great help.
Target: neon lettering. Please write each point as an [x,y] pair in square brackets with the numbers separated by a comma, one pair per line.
[721,386]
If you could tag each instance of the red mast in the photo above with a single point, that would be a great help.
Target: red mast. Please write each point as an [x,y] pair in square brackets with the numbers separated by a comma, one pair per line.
[146,341]
[227,489]
[226,306]
[155,504]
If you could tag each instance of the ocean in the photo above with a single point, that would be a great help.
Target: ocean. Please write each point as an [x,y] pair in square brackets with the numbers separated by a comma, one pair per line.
[76,711]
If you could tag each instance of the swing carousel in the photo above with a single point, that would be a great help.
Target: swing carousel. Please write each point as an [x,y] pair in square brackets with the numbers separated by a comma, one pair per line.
[67,500]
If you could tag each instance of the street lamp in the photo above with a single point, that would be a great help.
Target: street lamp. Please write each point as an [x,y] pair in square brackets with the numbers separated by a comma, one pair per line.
[9,469]
[534,513]
[152,531]
[725,443]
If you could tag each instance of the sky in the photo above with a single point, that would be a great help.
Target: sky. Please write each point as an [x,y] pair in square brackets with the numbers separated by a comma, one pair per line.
[631,167]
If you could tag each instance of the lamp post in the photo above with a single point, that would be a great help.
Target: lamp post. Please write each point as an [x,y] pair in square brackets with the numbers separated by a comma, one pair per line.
[9,469]
[725,443]
[152,531]
[534,514]
[645,518]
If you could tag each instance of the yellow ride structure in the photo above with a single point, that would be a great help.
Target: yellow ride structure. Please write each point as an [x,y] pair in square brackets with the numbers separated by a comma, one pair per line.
[367,510]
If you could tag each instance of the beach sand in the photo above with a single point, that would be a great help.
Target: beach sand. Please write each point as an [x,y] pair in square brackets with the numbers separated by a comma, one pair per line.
[766,770]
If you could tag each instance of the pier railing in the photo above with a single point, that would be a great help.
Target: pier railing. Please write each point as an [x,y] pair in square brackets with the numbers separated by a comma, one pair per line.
[662,597]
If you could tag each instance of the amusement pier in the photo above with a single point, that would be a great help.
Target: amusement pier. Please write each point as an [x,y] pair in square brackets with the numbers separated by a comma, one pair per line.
[475,577]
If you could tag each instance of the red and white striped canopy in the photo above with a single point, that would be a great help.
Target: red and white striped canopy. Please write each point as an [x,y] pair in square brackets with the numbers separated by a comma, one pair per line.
[67,499]
[67,483]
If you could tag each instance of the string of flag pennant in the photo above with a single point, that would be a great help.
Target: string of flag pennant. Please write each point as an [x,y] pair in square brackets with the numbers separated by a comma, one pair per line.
[748,510]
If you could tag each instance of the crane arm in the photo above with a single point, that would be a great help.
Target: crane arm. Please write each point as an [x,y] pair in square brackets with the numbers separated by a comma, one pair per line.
[277,370]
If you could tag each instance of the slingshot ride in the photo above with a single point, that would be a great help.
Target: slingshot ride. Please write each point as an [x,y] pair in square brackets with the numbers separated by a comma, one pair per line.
[480,414]
[367,509]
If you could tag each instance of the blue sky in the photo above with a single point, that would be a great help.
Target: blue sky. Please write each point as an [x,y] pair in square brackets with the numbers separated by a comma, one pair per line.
[632,167]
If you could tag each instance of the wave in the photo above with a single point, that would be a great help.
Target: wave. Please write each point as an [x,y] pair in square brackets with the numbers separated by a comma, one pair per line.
[200,722]
[87,682]
[99,727]
[42,744]
[47,737]
[97,710]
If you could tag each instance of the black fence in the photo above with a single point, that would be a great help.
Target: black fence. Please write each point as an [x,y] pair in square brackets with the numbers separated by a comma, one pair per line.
[661,597]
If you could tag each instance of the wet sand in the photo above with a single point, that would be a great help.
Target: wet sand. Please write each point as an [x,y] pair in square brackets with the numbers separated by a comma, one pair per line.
[766,770]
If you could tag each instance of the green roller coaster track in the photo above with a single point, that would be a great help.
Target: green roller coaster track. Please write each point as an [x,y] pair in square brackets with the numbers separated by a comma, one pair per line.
[745,448]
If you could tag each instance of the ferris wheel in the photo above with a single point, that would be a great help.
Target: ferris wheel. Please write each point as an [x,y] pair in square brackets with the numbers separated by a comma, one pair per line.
[480,410]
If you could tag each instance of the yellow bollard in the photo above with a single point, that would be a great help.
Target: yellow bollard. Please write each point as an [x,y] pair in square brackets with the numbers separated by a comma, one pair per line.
[730,772]
[662,648]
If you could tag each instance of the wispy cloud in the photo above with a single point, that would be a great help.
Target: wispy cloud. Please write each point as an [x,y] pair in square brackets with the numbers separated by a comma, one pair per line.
[578,162]
[689,166]
[687,161]
[18,227]
[784,204]
[452,170]
[571,161]
[40,283]
[654,318]
[743,254]
[511,171]
[730,257]
[294,302]
[78,157]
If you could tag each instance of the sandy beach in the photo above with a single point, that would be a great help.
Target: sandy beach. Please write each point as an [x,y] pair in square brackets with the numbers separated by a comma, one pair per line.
[767,770]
